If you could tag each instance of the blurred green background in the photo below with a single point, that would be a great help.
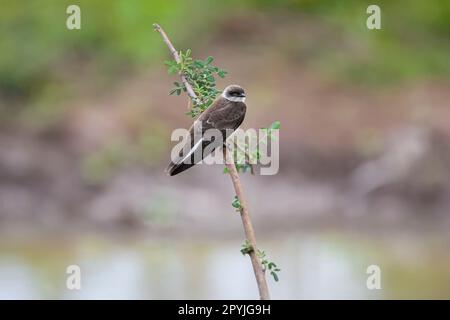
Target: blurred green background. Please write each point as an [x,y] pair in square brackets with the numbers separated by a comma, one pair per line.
[85,123]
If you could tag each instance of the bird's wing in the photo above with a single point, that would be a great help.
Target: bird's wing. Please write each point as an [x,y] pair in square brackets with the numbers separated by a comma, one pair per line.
[228,117]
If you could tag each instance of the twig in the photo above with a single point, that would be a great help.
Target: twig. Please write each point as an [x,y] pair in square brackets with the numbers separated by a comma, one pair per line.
[176,56]
[246,155]
[246,221]
[248,227]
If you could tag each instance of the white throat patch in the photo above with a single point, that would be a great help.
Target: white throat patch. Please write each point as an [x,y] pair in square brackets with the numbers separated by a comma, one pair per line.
[231,98]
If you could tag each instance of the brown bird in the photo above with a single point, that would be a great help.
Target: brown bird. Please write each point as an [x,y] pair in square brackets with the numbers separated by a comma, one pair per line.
[225,114]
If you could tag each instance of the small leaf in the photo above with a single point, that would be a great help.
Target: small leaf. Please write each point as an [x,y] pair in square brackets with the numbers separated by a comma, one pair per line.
[275,276]
[209,60]
[261,254]
[221,74]
[198,63]
[236,203]
[172,69]
[246,248]
[275,125]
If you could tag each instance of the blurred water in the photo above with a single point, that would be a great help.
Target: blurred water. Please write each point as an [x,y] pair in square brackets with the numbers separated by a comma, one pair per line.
[322,265]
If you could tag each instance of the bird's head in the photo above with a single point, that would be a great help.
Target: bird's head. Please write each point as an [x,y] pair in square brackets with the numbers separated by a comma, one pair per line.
[234,93]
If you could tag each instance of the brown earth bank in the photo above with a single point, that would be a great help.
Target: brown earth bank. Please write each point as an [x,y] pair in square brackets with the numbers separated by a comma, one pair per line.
[399,178]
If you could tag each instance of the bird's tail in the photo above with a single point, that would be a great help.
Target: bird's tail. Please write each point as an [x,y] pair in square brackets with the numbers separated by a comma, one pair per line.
[198,153]
[174,168]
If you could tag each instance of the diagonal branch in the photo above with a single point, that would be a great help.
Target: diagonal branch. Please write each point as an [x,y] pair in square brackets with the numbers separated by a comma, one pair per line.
[177,58]
[229,162]
[246,155]
[248,227]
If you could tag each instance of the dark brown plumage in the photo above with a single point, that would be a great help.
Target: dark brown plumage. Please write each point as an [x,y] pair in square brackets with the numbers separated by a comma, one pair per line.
[225,114]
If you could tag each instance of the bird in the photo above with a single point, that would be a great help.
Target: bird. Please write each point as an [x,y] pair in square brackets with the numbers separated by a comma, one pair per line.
[224,115]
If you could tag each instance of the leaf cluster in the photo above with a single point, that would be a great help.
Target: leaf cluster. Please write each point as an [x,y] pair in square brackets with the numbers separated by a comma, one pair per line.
[246,247]
[201,74]
[268,265]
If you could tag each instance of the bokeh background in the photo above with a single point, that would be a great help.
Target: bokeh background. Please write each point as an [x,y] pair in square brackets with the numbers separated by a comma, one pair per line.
[85,123]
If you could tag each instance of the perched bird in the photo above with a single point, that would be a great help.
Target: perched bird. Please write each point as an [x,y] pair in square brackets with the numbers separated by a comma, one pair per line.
[225,114]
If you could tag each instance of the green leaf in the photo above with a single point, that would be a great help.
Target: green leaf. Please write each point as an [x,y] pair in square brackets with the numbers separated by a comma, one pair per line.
[261,254]
[172,69]
[221,73]
[191,113]
[275,125]
[246,248]
[199,63]
[209,60]
[275,276]
[226,170]
[236,203]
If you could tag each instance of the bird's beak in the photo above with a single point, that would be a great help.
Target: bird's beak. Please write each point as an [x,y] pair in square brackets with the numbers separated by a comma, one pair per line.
[242,95]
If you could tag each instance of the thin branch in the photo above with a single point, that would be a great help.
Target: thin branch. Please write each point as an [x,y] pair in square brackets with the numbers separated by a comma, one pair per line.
[229,162]
[248,227]
[246,156]
[177,58]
